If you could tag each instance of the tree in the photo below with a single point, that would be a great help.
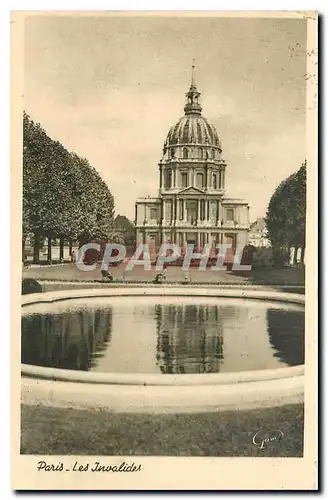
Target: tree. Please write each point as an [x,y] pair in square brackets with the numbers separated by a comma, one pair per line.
[63,196]
[286,215]
[124,226]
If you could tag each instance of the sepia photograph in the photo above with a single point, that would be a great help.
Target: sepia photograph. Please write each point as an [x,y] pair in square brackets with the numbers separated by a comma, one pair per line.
[166,172]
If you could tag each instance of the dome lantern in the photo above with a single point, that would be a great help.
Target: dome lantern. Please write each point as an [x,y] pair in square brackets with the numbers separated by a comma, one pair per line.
[193,128]
[192,105]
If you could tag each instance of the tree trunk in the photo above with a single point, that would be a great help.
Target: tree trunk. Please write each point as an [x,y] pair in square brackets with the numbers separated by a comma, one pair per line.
[295,256]
[36,249]
[289,254]
[61,248]
[23,250]
[49,248]
[70,247]
[302,255]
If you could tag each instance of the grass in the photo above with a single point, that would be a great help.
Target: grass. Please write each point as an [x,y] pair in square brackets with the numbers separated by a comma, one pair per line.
[69,272]
[275,276]
[54,431]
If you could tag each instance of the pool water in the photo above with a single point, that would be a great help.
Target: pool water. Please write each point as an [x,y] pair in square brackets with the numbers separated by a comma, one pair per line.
[163,335]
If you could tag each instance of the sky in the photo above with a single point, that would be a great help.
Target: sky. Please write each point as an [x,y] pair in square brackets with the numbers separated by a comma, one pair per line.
[110,87]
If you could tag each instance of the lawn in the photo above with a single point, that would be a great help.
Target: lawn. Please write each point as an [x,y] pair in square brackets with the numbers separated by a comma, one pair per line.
[70,272]
[54,431]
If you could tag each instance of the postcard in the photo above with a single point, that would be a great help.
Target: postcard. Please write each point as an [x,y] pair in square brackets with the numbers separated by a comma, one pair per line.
[164,279]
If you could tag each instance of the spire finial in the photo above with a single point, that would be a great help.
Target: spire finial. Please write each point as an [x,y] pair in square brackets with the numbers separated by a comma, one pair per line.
[193,73]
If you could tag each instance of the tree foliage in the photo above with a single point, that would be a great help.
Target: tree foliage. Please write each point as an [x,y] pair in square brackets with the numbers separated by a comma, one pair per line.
[127,230]
[63,196]
[286,214]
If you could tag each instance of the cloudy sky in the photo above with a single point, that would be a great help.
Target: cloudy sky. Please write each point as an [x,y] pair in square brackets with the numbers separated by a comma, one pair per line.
[109,88]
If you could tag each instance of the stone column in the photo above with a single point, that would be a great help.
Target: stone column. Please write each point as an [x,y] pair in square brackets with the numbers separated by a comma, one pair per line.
[160,176]
[176,210]
[198,210]
[210,180]
[174,176]
[184,210]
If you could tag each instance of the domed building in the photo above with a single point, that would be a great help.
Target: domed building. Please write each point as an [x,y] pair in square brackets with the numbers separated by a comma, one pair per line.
[191,206]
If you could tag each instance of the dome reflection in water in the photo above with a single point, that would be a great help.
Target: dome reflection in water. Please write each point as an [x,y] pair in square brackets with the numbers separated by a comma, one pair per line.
[163,335]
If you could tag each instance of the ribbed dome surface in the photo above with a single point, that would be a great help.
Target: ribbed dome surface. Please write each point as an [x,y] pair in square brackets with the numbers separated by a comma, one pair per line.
[193,129]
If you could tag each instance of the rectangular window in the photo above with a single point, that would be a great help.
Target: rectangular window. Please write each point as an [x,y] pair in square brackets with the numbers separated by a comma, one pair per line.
[202,209]
[200,180]
[215,181]
[168,210]
[230,214]
[153,213]
[181,207]
[184,179]
[168,179]
[230,239]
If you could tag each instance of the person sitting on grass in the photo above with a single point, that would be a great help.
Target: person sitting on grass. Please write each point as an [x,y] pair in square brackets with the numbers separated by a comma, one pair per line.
[186,277]
[106,275]
[160,277]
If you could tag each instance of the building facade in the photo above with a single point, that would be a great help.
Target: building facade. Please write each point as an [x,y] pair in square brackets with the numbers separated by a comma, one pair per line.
[258,234]
[191,206]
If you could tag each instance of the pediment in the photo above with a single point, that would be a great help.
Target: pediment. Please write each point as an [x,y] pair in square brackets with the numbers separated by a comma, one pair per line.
[191,190]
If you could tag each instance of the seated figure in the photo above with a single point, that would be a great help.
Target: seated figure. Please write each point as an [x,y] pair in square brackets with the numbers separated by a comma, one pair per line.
[106,275]
[159,278]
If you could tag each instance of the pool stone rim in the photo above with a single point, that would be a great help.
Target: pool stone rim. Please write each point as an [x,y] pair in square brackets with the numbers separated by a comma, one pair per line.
[249,389]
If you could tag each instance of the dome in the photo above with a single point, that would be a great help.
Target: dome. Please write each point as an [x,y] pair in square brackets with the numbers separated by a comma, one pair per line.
[193,129]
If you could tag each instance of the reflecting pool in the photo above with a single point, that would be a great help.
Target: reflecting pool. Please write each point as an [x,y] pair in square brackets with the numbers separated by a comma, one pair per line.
[163,334]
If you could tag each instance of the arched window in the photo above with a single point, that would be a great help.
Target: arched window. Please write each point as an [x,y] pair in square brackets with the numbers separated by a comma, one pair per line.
[172,152]
[200,153]
[213,153]
[185,153]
